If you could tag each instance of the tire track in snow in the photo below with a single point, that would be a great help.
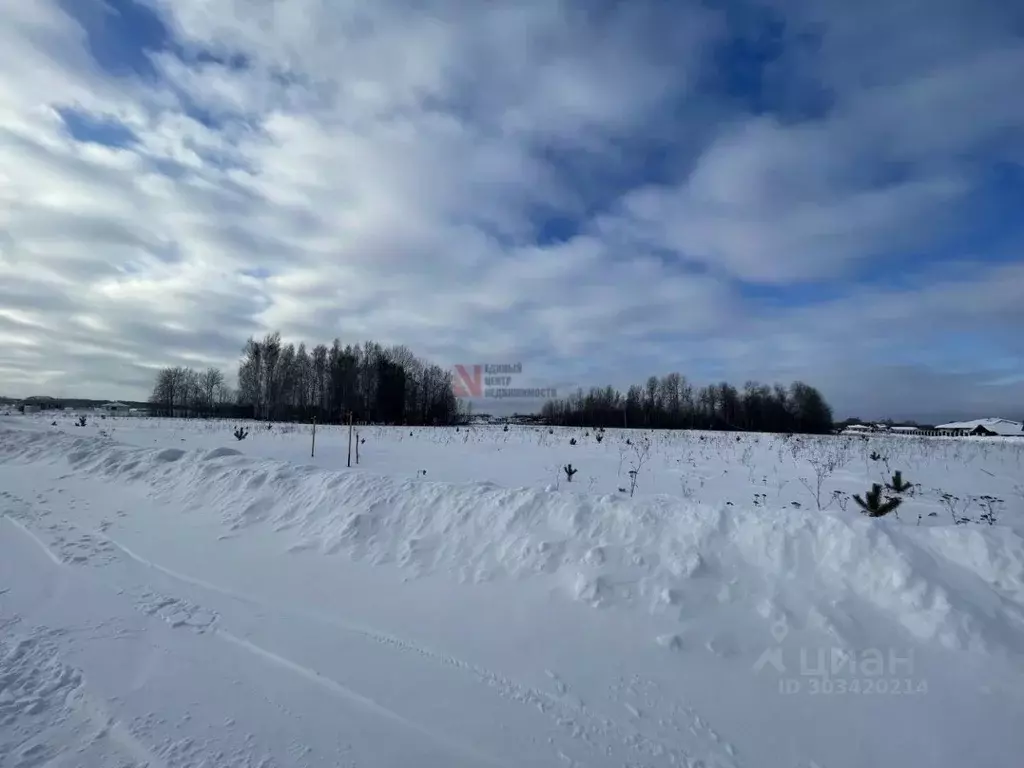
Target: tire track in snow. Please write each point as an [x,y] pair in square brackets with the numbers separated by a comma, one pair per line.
[38,542]
[32,649]
[353,697]
[575,719]
[571,716]
[331,686]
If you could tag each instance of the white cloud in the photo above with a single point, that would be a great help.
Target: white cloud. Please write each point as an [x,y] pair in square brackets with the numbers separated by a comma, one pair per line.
[388,171]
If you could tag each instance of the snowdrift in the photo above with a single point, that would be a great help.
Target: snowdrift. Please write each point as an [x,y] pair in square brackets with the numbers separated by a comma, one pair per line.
[961,587]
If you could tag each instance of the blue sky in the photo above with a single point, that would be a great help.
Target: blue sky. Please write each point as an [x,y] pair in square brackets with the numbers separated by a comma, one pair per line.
[771,190]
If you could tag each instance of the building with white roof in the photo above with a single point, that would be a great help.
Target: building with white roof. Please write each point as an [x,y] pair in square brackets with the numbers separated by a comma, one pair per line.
[1000,427]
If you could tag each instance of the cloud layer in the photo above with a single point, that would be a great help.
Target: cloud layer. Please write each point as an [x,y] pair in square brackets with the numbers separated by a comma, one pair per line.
[602,191]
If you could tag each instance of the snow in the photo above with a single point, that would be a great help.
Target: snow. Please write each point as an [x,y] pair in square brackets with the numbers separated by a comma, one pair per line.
[1003,427]
[170,596]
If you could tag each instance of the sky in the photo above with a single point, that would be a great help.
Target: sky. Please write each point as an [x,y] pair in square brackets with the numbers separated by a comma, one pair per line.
[599,190]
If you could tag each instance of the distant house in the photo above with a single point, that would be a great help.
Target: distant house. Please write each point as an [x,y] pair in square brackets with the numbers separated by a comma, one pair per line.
[38,403]
[859,429]
[982,428]
[114,409]
[975,428]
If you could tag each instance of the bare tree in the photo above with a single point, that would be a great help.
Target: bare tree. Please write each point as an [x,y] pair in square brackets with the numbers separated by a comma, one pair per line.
[211,382]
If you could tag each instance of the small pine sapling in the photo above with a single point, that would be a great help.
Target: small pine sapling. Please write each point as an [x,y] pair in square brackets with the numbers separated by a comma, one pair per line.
[241,433]
[873,505]
[572,441]
[898,484]
[569,471]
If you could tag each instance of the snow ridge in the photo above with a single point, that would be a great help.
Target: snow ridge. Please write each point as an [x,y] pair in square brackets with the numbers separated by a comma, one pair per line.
[959,587]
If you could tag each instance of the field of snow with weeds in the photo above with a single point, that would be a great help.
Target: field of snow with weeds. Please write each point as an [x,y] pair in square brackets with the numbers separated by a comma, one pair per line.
[171,596]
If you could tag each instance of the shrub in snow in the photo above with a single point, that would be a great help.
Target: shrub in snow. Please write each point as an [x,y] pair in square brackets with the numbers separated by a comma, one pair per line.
[989,503]
[825,458]
[873,505]
[572,441]
[81,421]
[840,499]
[569,471]
[599,437]
[241,433]
[957,508]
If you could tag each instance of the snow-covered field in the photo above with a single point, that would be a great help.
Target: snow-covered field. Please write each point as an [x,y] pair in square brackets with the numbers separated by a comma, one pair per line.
[170,596]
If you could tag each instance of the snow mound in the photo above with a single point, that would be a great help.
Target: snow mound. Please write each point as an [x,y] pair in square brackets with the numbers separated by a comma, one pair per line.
[959,587]
[220,453]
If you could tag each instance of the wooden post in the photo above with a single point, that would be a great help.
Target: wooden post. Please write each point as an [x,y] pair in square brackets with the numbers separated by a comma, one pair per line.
[312,451]
[357,447]
[350,439]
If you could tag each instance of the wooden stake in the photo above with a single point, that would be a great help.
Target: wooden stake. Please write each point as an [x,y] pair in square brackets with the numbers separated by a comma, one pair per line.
[312,451]
[357,447]
[350,439]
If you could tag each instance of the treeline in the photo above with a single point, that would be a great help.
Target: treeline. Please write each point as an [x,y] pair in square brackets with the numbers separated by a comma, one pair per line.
[673,403]
[181,391]
[375,384]
[282,382]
